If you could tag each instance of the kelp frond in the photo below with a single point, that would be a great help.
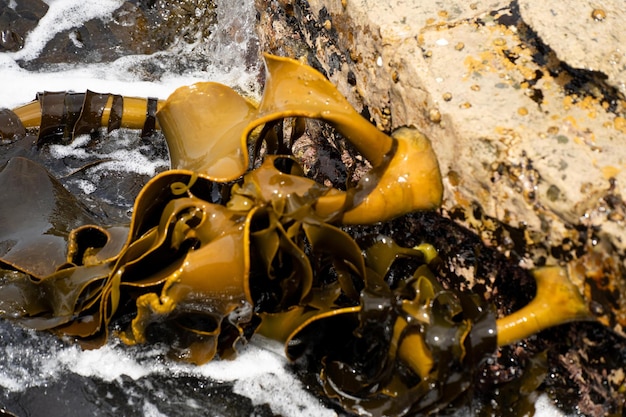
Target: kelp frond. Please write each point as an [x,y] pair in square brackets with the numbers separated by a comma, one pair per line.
[267,254]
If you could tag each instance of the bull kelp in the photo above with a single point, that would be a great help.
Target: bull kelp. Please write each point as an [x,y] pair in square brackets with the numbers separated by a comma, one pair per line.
[235,240]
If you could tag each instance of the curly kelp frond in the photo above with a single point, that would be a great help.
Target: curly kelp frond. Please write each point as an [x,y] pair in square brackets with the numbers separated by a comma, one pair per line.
[215,143]
[187,262]
[222,246]
[403,350]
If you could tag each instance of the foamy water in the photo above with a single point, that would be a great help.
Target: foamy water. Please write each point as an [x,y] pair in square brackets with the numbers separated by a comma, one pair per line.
[19,86]
[30,360]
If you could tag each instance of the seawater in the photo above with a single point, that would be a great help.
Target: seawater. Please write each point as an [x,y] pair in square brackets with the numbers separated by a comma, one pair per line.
[40,375]
[230,55]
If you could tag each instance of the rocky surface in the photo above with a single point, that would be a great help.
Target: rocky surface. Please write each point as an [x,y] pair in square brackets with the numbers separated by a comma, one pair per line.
[17,21]
[524,104]
[533,140]
[137,27]
[523,137]
[588,37]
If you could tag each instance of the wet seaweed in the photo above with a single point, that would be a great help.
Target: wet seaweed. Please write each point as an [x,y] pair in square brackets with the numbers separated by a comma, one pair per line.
[231,242]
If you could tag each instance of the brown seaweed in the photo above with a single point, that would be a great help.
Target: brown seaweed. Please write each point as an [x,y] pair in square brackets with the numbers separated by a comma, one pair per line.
[204,273]
[38,215]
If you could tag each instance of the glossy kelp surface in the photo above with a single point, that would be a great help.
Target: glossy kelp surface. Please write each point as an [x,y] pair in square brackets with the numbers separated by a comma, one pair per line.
[229,243]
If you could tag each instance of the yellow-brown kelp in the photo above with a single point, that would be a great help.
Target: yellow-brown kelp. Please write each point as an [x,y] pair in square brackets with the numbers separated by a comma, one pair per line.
[219,247]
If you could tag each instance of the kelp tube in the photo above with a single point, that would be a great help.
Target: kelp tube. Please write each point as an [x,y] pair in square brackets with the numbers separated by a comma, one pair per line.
[235,239]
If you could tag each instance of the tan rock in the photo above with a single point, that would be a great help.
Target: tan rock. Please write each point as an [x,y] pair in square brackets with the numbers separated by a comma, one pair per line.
[587,35]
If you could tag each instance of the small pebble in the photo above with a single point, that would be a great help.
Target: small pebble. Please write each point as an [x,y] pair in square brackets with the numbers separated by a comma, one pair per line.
[598,15]
[447,96]
[522,111]
[454,178]
[327,24]
[459,46]
[434,115]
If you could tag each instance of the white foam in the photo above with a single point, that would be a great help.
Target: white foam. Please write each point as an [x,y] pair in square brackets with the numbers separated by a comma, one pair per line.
[259,373]
[151,410]
[87,187]
[546,408]
[107,363]
[225,58]
[115,78]
[120,160]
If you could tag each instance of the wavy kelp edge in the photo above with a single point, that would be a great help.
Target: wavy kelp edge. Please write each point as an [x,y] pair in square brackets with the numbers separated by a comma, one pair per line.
[171,227]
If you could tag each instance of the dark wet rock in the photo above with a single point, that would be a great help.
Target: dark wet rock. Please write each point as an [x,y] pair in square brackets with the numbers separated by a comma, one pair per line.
[129,397]
[587,369]
[137,27]
[16,20]
[65,392]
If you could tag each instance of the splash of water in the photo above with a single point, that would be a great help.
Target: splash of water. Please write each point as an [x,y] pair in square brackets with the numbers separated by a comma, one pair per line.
[230,56]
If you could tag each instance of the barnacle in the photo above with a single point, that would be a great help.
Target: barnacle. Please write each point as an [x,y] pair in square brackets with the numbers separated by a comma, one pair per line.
[219,247]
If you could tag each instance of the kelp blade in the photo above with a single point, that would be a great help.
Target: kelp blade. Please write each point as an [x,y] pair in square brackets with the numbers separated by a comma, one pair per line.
[37,215]
[204,125]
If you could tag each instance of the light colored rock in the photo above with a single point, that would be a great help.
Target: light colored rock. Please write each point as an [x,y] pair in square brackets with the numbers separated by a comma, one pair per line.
[523,148]
[586,34]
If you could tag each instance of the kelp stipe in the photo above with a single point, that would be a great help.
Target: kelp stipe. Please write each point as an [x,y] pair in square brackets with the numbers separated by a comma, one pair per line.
[557,302]
[61,116]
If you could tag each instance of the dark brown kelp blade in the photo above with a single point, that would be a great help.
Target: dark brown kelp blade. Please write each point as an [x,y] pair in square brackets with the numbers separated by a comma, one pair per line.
[405,350]
[36,217]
